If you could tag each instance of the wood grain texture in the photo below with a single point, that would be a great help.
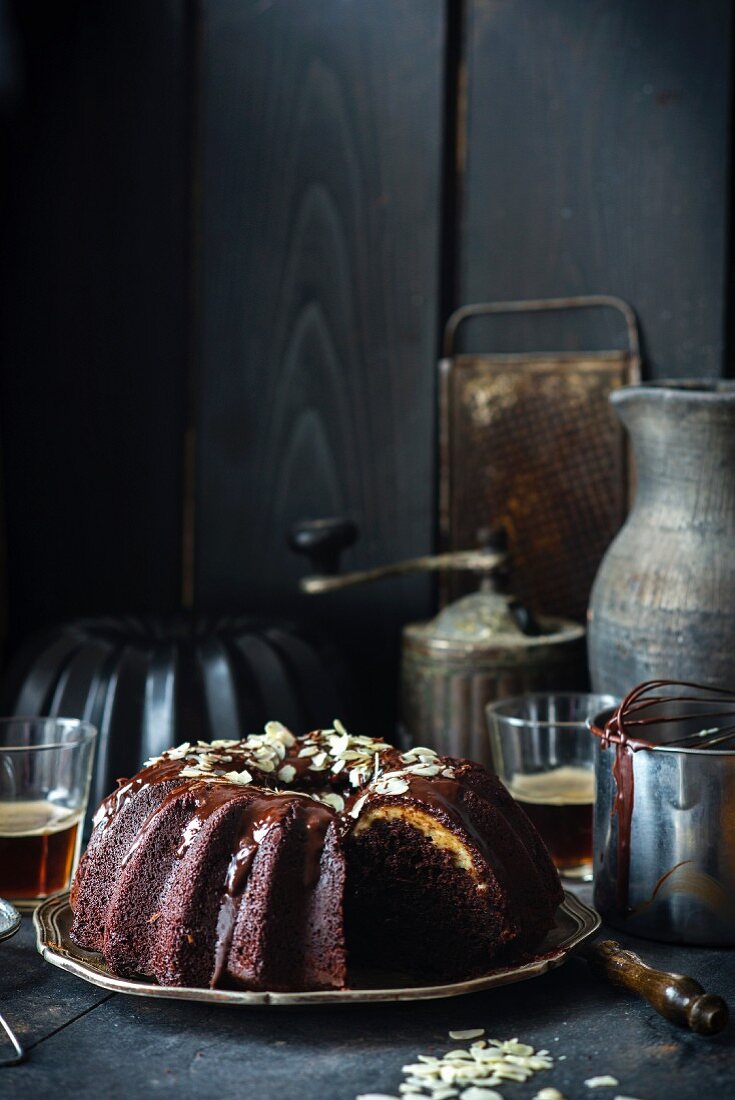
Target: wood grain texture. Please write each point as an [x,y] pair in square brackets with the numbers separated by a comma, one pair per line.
[37,999]
[94,224]
[318,284]
[596,161]
[594,139]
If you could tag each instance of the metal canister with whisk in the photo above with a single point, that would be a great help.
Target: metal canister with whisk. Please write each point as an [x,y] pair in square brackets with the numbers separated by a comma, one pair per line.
[664,833]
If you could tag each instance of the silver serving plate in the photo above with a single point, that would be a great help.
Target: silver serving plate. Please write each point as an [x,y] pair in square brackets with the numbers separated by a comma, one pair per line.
[9,924]
[575,923]
[9,919]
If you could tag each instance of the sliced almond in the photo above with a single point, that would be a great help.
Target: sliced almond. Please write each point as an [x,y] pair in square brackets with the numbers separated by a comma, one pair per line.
[355,811]
[335,801]
[377,1096]
[479,1093]
[392,786]
[277,729]
[339,745]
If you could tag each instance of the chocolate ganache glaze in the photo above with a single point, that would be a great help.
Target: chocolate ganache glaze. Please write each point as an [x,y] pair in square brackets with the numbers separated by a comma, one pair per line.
[625,747]
[228,863]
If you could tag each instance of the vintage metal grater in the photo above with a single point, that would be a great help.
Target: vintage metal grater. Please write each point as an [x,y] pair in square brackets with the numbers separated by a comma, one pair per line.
[529,443]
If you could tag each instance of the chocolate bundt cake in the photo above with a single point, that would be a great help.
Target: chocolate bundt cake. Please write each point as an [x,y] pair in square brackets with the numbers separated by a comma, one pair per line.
[265,863]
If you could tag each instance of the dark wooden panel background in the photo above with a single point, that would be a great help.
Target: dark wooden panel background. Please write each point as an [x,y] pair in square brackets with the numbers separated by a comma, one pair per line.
[94,239]
[292,164]
[597,160]
[320,181]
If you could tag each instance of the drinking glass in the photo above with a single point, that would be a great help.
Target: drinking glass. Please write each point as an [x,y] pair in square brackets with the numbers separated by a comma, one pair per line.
[45,771]
[544,754]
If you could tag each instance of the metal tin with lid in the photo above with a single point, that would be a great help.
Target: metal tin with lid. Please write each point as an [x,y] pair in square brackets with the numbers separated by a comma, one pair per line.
[471,654]
[482,647]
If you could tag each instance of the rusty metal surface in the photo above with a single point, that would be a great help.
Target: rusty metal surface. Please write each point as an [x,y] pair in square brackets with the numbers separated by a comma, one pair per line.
[530,442]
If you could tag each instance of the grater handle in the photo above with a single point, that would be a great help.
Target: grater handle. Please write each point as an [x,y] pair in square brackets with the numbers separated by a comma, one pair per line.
[539,305]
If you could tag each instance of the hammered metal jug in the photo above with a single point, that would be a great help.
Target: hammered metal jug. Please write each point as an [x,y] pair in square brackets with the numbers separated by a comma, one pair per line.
[663,601]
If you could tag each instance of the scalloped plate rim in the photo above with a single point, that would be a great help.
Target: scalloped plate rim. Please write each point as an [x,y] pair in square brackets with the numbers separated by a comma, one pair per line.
[11,919]
[54,945]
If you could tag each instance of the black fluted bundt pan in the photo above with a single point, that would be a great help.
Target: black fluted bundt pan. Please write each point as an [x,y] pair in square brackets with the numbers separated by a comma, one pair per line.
[147,684]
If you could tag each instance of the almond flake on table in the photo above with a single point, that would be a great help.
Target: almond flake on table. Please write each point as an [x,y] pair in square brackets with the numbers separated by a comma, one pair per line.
[377,1096]
[472,1074]
[604,1082]
[549,1094]
[480,1093]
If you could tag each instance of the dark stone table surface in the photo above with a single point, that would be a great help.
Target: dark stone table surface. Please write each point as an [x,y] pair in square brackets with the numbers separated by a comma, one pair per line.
[83,1042]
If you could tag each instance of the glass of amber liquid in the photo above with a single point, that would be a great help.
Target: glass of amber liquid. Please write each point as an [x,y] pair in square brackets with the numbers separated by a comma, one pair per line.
[45,771]
[544,754]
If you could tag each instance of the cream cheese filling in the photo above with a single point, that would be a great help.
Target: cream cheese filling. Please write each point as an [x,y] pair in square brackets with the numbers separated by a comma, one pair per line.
[424,823]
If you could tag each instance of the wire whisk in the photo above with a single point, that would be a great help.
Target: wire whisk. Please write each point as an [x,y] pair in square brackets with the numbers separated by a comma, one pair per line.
[665,703]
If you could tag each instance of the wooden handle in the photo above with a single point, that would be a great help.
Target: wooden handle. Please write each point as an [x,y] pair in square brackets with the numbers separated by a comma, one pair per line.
[678,998]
